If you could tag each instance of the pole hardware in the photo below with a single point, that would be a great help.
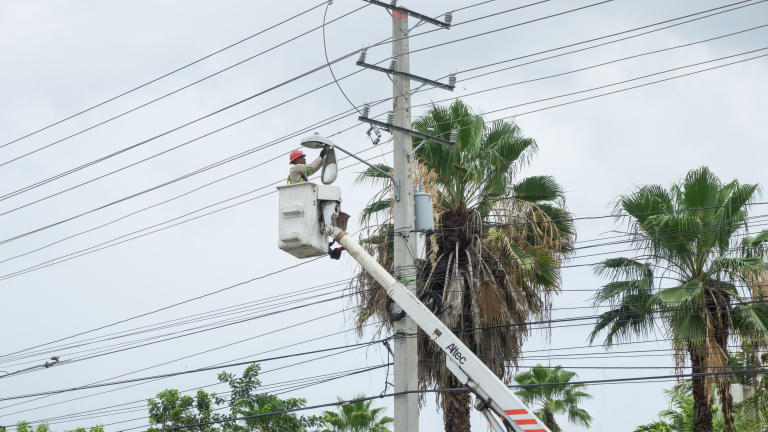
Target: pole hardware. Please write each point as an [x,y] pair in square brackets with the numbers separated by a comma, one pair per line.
[392,6]
[391,70]
[413,133]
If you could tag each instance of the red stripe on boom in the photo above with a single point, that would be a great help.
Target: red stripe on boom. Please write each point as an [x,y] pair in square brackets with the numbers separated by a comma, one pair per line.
[516,411]
[526,421]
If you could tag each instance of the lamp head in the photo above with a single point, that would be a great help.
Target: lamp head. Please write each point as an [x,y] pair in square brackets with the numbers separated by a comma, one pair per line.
[315,141]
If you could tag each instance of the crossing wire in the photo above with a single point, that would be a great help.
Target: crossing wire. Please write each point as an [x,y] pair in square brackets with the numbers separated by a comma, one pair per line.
[186,372]
[672,233]
[165,75]
[3,197]
[273,389]
[99,247]
[60,175]
[493,111]
[536,79]
[245,153]
[192,389]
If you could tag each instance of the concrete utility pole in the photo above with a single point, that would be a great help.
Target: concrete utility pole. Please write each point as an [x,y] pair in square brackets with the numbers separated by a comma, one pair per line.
[406,357]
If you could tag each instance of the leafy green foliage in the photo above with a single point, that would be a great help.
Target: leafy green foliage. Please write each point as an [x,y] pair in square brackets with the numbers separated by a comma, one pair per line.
[357,416]
[169,409]
[550,391]
[24,426]
[679,416]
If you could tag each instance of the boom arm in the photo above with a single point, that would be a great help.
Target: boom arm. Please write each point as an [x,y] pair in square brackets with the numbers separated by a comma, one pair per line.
[490,391]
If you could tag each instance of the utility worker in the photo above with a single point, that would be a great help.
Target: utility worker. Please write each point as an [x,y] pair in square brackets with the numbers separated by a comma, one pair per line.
[300,172]
[300,169]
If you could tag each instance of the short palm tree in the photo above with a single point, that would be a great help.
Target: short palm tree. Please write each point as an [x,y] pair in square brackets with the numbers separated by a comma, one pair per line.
[495,257]
[357,417]
[679,416]
[551,392]
[692,237]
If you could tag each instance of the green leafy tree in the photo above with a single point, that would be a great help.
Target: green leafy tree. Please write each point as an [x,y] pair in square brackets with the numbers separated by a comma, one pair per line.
[551,392]
[91,429]
[356,416]
[169,409]
[496,256]
[246,400]
[691,235]
[24,426]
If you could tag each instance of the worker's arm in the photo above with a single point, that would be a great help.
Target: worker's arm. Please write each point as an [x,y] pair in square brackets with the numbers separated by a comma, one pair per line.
[312,168]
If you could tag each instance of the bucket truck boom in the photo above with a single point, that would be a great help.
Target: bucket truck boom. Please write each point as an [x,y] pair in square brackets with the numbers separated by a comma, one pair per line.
[493,396]
[308,214]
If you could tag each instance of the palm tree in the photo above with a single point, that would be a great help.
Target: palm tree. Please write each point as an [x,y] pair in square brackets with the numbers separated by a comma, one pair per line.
[550,390]
[496,255]
[689,235]
[356,417]
[679,416]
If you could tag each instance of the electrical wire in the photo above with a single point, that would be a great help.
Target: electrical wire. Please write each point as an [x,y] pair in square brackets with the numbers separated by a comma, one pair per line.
[185,372]
[550,50]
[99,247]
[166,74]
[3,197]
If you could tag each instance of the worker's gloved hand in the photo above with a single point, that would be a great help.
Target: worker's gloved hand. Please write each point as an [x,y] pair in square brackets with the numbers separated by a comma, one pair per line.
[323,152]
[335,253]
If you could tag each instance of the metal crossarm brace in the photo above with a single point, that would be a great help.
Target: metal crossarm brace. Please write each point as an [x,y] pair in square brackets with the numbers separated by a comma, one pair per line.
[413,133]
[407,76]
[409,12]
[495,400]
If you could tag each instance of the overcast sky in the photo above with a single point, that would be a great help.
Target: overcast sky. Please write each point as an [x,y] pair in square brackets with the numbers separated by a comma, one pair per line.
[61,57]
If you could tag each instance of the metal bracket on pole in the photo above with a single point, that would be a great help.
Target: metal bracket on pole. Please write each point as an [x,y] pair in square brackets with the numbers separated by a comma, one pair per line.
[391,127]
[402,10]
[395,183]
[449,86]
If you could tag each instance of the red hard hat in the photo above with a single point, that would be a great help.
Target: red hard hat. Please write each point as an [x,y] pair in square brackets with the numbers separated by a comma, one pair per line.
[296,154]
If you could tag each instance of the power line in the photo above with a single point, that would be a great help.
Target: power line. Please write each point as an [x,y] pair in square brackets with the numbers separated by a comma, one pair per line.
[274,388]
[165,75]
[219,364]
[501,109]
[353,74]
[3,197]
[98,248]
[751,3]
[172,374]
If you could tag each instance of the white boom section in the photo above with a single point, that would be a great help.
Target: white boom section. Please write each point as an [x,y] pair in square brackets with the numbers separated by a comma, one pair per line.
[492,393]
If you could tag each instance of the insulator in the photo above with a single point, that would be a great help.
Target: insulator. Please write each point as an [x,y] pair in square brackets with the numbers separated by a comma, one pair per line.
[454,136]
[448,18]
[366,110]
[363,53]
[393,3]
[390,117]
[393,63]
[452,80]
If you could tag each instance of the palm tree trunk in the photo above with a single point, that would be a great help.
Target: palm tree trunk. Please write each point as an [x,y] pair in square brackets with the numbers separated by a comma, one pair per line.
[456,407]
[550,423]
[726,402]
[702,404]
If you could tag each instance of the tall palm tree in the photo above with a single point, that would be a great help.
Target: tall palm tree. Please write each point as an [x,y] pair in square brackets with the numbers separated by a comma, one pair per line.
[495,257]
[692,237]
[357,417]
[550,390]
